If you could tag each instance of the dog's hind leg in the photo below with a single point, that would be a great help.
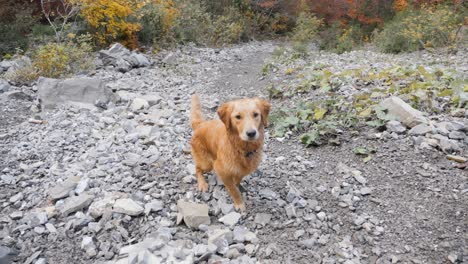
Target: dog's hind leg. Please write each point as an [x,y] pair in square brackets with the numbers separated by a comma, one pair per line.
[203,163]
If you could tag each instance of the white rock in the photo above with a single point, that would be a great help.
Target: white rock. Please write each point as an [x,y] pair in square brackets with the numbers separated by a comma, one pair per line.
[51,228]
[358,177]
[87,245]
[82,186]
[97,208]
[153,206]
[420,130]
[127,206]
[230,219]
[63,189]
[153,99]
[193,214]
[406,114]
[322,216]
[139,104]
[262,218]
[76,203]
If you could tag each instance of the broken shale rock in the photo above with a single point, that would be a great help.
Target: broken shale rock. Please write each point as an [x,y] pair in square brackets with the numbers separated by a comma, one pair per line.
[230,219]
[62,190]
[192,214]
[128,206]
[76,203]
[122,59]
[404,113]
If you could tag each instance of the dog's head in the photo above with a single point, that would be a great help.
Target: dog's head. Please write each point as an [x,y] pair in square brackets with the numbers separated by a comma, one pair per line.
[246,117]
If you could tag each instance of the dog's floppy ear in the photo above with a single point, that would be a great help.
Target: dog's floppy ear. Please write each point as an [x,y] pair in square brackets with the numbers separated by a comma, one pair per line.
[224,113]
[265,107]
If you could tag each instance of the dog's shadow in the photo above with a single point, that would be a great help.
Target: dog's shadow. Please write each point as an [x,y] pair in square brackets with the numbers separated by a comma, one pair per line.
[214,181]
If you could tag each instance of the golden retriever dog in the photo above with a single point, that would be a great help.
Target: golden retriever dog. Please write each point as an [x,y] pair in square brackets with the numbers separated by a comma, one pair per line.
[232,146]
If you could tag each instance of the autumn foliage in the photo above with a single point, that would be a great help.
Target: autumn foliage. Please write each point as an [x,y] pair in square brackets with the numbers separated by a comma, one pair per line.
[343,23]
[111,19]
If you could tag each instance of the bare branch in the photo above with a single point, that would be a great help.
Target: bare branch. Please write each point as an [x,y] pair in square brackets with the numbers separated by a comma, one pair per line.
[64,12]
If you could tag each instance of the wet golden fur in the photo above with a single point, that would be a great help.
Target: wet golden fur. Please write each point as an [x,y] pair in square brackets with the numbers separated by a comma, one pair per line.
[228,145]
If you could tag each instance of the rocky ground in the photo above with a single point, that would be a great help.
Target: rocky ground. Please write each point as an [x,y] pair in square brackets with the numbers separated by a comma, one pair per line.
[104,182]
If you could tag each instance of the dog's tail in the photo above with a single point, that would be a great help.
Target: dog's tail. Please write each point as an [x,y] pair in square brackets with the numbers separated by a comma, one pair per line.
[196,117]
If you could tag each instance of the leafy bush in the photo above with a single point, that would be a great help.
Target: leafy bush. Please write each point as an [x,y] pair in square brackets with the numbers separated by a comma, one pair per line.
[157,21]
[60,59]
[307,27]
[193,23]
[339,40]
[227,28]
[10,39]
[112,20]
[413,30]
[23,76]
[56,60]
[14,34]
[40,35]
[349,39]
[166,22]
[328,37]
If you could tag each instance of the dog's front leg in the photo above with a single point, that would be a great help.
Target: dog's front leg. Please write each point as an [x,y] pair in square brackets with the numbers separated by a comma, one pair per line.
[235,193]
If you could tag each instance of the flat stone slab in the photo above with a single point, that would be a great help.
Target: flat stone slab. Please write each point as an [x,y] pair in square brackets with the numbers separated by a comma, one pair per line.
[406,114]
[77,203]
[192,214]
[230,219]
[128,206]
[62,190]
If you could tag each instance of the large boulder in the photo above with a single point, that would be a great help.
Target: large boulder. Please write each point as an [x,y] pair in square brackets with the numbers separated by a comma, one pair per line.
[403,112]
[53,92]
[122,59]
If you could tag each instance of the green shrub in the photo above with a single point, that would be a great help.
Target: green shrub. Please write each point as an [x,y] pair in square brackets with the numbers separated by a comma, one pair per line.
[413,30]
[23,76]
[305,31]
[56,60]
[349,39]
[189,21]
[61,59]
[39,31]
[339,40]
[11,39]
[153,28]
[307,27]
[328,37]
[13,34]
[193,24]
[227,28]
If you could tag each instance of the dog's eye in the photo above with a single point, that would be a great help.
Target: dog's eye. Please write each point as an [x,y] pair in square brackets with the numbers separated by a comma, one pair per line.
[238,117]
[255,114]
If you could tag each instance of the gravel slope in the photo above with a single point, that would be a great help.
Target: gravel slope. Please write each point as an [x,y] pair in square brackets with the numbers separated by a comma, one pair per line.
[305,205]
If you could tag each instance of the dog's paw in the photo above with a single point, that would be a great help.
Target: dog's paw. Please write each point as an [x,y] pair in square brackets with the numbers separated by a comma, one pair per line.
[240,207]
[203,186]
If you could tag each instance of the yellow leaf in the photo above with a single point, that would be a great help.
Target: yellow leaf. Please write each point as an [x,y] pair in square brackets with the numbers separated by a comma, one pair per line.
[289,71]
[366,112]
[319,113]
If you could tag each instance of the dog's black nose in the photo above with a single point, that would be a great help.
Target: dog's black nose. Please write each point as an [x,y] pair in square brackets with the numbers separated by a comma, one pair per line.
[251,133]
